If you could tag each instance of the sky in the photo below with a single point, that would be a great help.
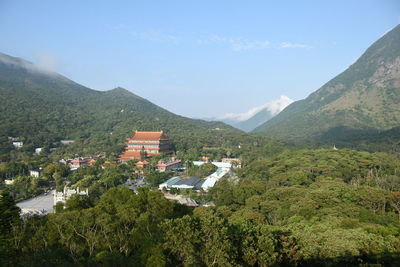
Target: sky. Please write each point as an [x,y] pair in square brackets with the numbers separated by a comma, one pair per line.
[198,59]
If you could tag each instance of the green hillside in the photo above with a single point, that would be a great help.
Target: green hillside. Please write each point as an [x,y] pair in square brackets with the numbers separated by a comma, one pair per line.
[365,96]
[42,108]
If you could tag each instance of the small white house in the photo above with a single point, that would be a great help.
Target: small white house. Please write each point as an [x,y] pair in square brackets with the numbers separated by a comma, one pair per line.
[9,181]
[67,141]
[35,173]
[38,150]
[18,144]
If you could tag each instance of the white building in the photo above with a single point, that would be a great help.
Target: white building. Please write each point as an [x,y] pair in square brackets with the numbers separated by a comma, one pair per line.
[35,173]
[182,183]
[212,179]
[38,150]
[9,181]
[220,165]
[67,141]
[18,144]
[67,193]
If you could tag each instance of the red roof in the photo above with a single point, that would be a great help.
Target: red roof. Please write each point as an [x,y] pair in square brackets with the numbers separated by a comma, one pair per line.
[165,164]
[149,136]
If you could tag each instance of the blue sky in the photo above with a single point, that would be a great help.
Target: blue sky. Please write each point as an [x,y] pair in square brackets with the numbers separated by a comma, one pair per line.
[197,58]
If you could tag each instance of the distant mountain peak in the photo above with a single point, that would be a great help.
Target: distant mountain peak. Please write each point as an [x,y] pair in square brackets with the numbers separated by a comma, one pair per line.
[365,95]
[256,116]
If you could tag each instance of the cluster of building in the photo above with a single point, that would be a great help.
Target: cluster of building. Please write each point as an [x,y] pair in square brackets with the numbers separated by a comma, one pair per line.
[146,144]
[17,143]
[67,193]
[140,147]
[195,182]
[75,163]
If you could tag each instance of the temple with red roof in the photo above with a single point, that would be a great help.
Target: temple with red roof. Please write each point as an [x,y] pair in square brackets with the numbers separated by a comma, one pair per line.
[143,144]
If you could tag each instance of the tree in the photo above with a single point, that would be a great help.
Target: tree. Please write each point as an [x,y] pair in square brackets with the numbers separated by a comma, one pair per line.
[394,200]
[78,202]
[154,178]
[9,215]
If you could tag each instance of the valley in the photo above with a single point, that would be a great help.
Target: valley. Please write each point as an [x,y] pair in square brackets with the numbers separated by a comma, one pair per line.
[109,178]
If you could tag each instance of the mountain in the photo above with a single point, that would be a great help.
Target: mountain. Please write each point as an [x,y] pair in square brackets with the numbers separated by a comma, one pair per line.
[256,116]
[249,124]
[365,96]
[42,107]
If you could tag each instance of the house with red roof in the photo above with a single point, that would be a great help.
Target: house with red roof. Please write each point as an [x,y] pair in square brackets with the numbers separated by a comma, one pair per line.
[142,164]
[168,165]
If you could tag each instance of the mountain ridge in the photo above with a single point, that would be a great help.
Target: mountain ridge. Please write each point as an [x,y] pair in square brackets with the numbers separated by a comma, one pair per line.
[365,95]
[44,107]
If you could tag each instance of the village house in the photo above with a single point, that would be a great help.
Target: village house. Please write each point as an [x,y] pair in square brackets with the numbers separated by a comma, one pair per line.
[38,150]
[79,162]
[67,141]
[35,173]
[205,159]
[142,164]
[145,144]
[92,161]
[169,165]
[9,181]
[18,144]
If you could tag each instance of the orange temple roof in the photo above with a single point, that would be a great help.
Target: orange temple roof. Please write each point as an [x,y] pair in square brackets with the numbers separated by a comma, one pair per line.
[149,136]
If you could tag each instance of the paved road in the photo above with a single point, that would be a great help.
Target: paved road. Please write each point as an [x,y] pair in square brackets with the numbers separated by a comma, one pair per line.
[43,203]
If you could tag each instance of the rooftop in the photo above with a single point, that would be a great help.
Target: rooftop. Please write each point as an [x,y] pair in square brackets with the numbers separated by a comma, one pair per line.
[149,136]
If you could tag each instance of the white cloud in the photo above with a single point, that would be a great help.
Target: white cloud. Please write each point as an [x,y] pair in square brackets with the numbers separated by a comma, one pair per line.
[47,61]
[274,107]
[292,45]
[236,44]
[241,44]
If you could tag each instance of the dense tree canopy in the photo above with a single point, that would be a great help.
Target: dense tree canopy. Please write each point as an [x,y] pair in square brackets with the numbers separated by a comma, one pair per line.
[322,207]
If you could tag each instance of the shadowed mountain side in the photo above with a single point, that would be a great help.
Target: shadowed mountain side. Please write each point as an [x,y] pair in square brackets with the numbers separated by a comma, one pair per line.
[371,140]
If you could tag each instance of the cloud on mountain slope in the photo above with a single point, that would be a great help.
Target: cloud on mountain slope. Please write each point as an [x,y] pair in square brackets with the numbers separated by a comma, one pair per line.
[274,107]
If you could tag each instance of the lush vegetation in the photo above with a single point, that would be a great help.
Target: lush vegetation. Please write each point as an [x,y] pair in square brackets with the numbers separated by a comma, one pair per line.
[323,207]
[44,108]
[284,207]
[201,171]
[370,140]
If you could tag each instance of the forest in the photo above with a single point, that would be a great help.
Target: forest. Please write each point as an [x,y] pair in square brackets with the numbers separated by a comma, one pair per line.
[305,207]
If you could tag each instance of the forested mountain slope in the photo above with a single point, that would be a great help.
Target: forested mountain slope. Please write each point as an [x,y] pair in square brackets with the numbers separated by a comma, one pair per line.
[364,96]
[42,107]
